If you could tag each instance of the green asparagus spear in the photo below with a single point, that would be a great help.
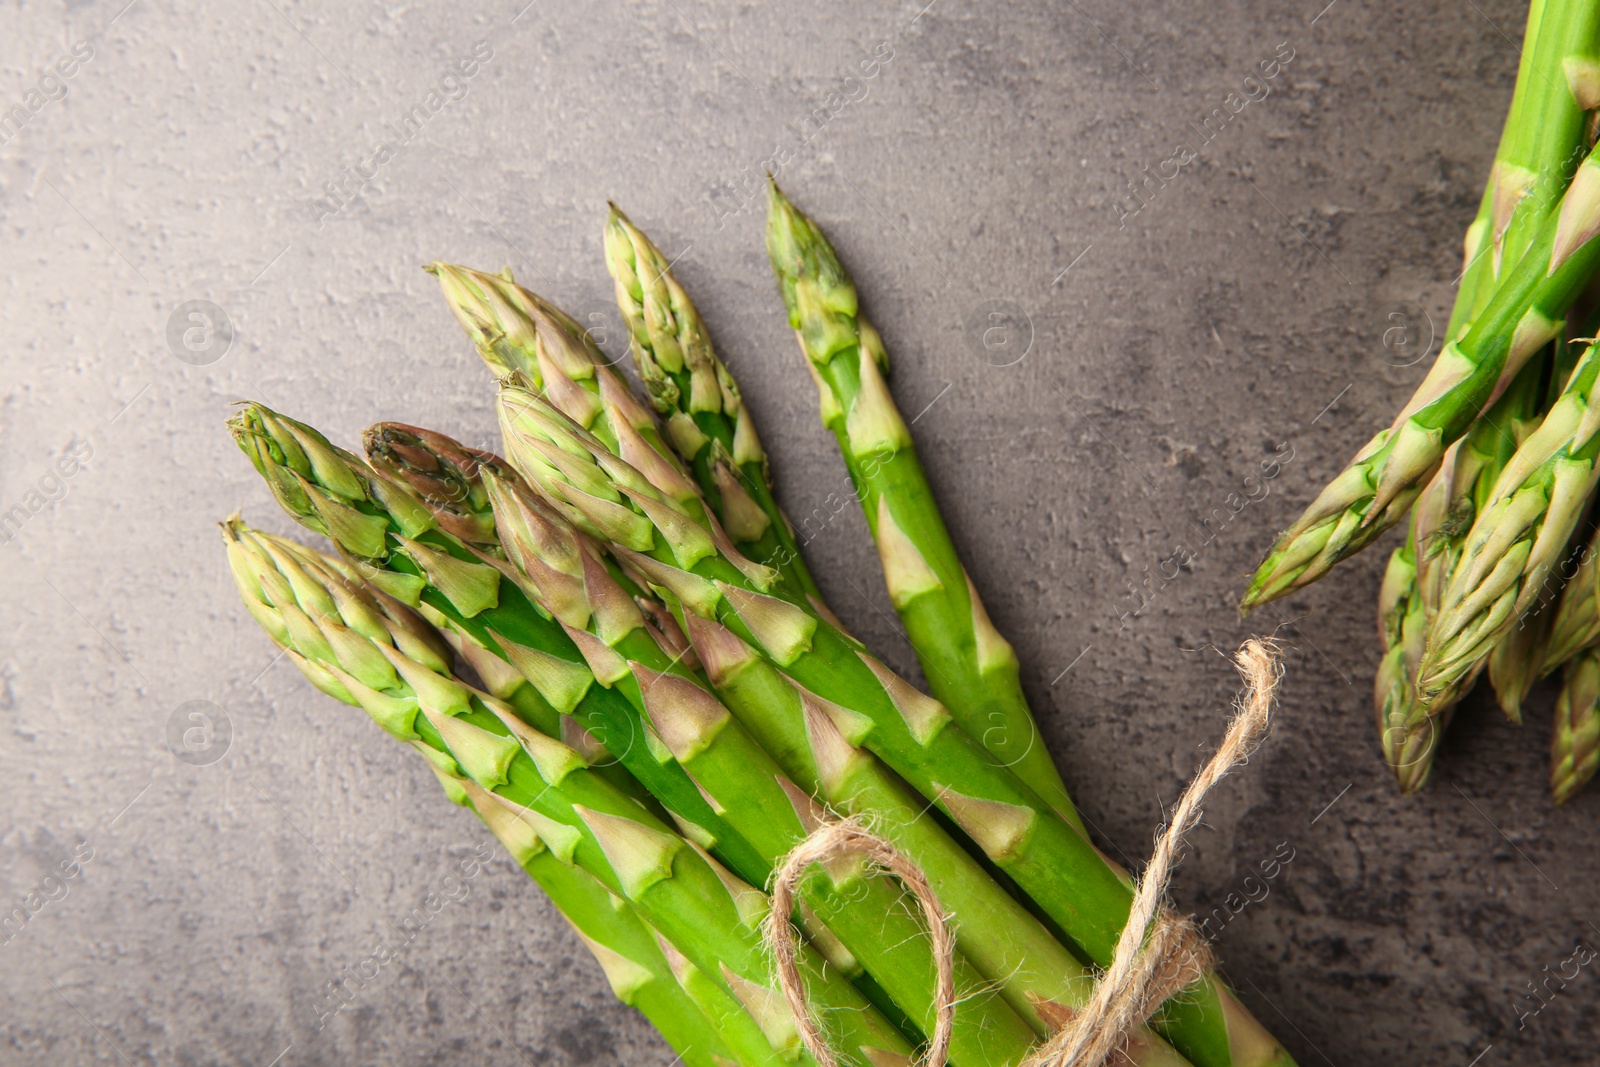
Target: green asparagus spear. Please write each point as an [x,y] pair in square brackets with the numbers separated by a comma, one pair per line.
[1038,977]
[391,531]
[1452,500]
[1545,137]
[862,909]
[1519,537]
[1523,315]
[667,540]
[1031,978]
[514,330]
[1541,142]
[1008,945]
[1013,950]
[361,645]
[569,580]
[371,613]
[621,942]
[970,668]
[1409,736]
[1575,737]
[696,394]
[626,951]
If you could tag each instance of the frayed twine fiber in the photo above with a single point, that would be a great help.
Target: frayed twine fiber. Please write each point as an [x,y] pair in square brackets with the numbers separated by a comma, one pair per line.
[1158,955]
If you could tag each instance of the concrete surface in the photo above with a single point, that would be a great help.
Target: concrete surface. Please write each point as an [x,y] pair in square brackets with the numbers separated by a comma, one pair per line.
[1090,385]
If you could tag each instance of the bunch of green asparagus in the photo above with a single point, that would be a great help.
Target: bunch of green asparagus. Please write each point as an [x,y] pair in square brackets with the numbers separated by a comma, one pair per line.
[1494,456]
[609,647]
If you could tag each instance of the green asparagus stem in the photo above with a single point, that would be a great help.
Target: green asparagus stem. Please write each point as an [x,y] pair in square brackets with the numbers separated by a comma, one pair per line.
[621,942]
[735,772]
[1520,536]
[1523,164]
[864,910]
[568,577]
[391,531]
[1558,82]
[362,646]
[744,785]
[1040,979]
[632,964]
[1523,315]
[689,387]
[607,923]
[1575,737]
[1408,601]
[970,668]
[1019,955]
[669,542]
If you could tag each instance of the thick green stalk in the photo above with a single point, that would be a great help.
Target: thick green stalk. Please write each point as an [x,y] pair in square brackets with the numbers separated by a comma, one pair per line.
[622,943]
[390,531]
[1523,315]
[734,771]
[666,542]
[1509,557]
[1038,977]
[352,643]
[970,668]
[1558,83]
[706,420]
[864,910]
[1575,736]
[569,578]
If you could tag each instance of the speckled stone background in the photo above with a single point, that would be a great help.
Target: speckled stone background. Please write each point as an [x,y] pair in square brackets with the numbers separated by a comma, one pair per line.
[1090,386]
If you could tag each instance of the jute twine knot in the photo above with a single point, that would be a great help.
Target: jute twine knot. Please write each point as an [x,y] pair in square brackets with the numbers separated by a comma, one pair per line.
[1158,955]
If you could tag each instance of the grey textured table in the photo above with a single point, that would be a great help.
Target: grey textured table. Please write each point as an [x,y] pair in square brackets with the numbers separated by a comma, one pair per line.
[1095,371]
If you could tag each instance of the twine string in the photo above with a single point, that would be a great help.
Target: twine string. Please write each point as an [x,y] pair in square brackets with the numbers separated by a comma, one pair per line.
[1158,955]
[839,837]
